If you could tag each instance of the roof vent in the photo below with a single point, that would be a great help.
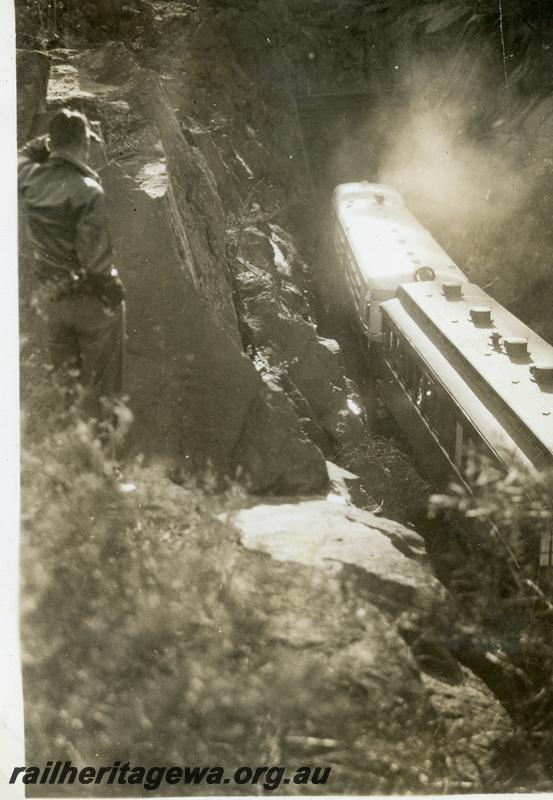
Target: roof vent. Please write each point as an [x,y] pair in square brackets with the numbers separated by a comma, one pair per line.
[542,372]
[452,290]
[481,315]
[516,346]
[425,274]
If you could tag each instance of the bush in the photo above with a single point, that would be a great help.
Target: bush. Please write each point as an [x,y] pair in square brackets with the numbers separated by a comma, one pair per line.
[52,23]
[505,598]
[137,634]
[144,623]
[388,477]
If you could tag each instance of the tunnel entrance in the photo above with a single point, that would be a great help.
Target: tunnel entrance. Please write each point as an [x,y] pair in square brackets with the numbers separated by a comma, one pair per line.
[337,144]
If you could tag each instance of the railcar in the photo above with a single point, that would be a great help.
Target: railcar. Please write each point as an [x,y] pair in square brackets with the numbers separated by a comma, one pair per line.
[470,385]
[379,245]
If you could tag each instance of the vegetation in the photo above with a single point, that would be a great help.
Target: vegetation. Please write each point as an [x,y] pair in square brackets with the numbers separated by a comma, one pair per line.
[486,550]
[389,480]
[56,23]
[146,628]
[139,634]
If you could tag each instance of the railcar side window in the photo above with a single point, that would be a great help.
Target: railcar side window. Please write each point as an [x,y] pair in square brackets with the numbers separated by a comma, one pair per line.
[419,388]
[410,370]
[386,340]
[458,455]
[400,357]
[394,344]
[427,396]
[367,308]
[546,548]
[403,363]
[445,423]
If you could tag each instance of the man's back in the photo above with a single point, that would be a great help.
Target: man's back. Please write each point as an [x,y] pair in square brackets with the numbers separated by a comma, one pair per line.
[66,216]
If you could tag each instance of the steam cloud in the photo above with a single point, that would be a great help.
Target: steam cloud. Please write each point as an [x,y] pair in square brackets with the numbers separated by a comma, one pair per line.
[473,162]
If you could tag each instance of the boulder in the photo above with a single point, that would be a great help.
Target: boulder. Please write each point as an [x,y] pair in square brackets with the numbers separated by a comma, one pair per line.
[33,70]
[474,723]
[111,64]
[358,693]
[273,453]
[386,559]
[310,363]
[356,670]
[254,248]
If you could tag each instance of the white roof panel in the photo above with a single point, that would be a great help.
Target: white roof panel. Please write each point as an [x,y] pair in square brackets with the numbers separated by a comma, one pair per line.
[388,243]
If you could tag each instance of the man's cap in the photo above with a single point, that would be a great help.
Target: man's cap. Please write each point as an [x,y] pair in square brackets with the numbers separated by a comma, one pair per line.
[67,127]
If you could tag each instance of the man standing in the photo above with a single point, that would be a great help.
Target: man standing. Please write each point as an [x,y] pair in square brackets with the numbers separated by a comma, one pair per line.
[79,292]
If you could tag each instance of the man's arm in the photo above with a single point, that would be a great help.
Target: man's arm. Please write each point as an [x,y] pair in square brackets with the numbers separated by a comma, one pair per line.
[29,156]
[93,240]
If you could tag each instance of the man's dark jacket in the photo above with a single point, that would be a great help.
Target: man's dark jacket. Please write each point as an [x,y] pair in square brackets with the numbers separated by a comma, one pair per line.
[66,214]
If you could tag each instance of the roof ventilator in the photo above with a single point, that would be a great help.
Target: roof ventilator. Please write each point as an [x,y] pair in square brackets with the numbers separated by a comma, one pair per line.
[481,315]
[425,274]
[516,346]
[542,372]
[452,291]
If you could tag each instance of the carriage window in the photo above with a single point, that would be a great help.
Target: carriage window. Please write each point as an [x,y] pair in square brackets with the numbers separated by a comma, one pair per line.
[403,363]
[394,345]
[430,402]
[367,306]
[410,372]
[445,423]
[387,334]
[392,336]
[398,355]
[419,388]
[427,394]
[458,444]
[546,548]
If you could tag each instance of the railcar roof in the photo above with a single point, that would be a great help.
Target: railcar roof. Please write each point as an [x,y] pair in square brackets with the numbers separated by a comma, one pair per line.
[508,377]
[389,244]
